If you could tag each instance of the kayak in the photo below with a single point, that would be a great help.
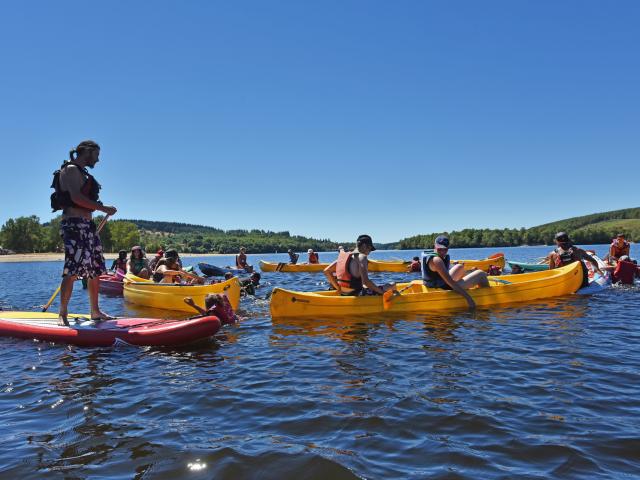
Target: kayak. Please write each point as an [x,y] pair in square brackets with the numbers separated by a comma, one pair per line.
[290,267]
[529,267]
[400,266]
[209,270]
[170,296]
[111,283]
[418,298]
[86,333]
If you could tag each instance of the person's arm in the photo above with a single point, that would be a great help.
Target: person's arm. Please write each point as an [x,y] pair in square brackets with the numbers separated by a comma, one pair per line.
[328,272]
[72,179]
[584,255]
[129,267]
[189,301]
[363,265]
[439,266]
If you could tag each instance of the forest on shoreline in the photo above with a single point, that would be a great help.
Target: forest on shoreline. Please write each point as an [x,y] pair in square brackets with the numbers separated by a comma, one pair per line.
[29,235]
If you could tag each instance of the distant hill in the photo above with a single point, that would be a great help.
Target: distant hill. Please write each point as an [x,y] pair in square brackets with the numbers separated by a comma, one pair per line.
[203,239]
[587,229]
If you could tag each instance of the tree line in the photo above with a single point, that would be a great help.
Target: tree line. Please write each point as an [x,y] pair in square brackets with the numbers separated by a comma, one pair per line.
[28,235]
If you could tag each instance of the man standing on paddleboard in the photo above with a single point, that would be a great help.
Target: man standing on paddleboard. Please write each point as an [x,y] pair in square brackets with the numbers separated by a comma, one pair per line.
[77,195]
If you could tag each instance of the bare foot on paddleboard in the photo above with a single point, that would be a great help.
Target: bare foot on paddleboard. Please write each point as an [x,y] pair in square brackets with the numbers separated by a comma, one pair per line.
[101,317]
[62,321]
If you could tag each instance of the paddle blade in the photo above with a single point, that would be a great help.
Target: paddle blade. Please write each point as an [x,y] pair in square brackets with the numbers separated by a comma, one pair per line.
[496,255]
[386,299]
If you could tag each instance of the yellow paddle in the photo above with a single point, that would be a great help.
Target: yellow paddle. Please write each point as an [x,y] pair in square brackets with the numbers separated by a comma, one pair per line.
[55,294]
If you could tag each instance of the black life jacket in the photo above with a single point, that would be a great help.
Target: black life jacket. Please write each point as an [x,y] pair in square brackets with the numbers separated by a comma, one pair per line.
[431,278]
[61,199]
[565,257]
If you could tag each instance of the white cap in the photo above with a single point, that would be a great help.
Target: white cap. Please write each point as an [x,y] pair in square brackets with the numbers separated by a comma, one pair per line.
[310,250]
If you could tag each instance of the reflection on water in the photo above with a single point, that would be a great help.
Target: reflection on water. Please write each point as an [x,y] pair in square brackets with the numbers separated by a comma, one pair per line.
[541,390]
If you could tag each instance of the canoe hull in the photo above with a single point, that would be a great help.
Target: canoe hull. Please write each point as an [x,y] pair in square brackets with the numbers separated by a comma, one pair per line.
[400,266]
[167,296]
[133,331]
[288,267]
[524,287]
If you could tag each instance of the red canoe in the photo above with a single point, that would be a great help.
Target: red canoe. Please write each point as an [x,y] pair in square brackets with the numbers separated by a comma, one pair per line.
[84,332]
[111,283]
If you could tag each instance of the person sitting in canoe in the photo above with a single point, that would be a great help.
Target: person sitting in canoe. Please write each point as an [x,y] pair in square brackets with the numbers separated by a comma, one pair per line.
[566,252]
[619,247]
[216,305]
[293,257]
[438,273]
[625,272]
[153,263]
[120,263]
[313,256]
[414,266]
[351,271]
[138,264]
[241,261]
[515,269]
[249,285]
[169,270]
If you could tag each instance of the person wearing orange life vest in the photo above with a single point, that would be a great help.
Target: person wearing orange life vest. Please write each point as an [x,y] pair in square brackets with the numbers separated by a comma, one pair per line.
[619,247]
[351,271]
[313,256]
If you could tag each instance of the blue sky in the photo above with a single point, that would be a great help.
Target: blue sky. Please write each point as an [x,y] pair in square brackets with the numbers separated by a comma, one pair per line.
[327,119]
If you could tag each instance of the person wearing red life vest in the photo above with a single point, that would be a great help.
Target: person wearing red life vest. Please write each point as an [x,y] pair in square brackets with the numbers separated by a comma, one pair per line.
[351,271]
[619,247]
[625,272]
[313,256]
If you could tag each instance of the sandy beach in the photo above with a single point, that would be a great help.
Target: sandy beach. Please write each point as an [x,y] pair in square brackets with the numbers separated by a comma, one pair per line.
[59,257]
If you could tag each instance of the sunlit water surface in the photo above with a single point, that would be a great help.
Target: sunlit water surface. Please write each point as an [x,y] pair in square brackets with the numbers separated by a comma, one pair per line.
[547,389]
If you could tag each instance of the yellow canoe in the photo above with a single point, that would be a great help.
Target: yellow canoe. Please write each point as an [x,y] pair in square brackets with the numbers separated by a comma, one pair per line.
[520,288]
[169,296]
[400,266]
[289,267]
[377,265]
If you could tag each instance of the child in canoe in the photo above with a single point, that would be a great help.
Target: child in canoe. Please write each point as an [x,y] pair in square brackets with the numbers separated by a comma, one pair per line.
[217,305]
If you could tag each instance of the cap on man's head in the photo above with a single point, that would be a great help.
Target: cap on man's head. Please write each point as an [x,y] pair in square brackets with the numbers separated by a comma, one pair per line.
[171,253]
[365,240]
[562,237]
[122,252]
[310,250]
[442,241]
[620,235]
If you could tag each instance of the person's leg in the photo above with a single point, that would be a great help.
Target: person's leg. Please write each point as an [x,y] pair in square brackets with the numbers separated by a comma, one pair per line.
[457,272]
[94,287]
[477,278]
[66,289]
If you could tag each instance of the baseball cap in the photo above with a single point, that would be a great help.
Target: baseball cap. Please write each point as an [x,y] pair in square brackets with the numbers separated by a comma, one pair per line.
[310,250]
[562,237]
[365,240]
[171,253]
[442,241]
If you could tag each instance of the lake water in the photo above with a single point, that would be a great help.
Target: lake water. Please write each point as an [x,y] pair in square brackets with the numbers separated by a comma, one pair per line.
[541,390]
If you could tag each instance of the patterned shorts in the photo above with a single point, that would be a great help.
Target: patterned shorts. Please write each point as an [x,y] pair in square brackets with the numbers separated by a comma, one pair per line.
[82,248]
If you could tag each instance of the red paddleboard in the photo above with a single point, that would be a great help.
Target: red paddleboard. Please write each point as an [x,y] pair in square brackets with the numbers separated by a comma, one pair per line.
[86,333]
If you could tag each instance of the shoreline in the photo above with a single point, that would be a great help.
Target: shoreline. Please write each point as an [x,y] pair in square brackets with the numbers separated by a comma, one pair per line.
[59,257]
